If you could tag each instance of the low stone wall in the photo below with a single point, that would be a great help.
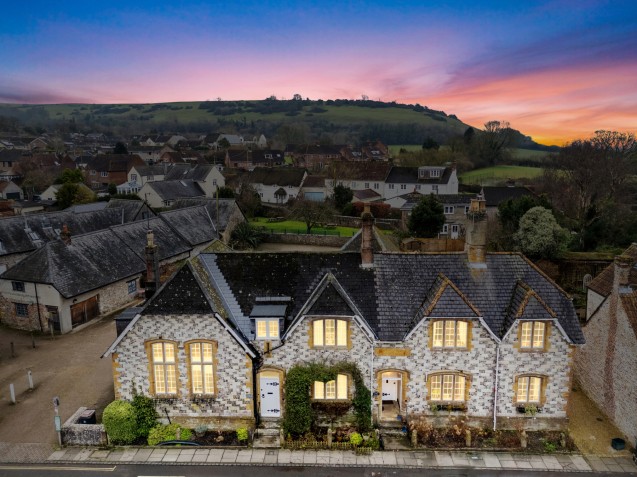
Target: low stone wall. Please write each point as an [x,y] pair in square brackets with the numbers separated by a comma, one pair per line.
[74,434]
[324,240]
[347,221]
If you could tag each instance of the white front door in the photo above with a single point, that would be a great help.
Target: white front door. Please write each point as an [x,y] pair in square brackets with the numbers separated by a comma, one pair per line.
[390,389]
[270,402]
[454,231]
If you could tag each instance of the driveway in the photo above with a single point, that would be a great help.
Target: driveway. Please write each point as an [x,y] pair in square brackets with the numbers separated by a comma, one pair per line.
[67,366]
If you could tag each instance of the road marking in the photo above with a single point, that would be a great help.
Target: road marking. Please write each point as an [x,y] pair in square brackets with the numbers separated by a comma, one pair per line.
[85,469]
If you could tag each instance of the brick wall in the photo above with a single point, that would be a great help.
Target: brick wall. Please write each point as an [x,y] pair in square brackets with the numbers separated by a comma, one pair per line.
[232,405]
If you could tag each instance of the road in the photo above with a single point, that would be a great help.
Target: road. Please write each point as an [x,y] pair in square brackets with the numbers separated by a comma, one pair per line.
[262,471]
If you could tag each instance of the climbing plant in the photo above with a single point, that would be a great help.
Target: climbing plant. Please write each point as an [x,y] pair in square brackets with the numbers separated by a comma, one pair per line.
[299,415]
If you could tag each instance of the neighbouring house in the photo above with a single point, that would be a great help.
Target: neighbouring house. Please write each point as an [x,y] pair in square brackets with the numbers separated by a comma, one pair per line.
[276,185]
[375,151]
[314,156]
[105,169]
[249,159]
[207,176]
[69,280]
[51,192]
[424,180]
[495,195]
[455,206]
[485,336]
[605,366]
[149,154]
[314,188]
[10,190]
[19,236]
[9,158]
[358,176]
[162,194]
[234,140]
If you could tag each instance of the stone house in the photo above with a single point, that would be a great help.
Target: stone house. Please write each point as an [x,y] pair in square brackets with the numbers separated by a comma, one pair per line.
[68,280]
[249,159]
[456,207]
[314,157]
[605,366]
[484,336]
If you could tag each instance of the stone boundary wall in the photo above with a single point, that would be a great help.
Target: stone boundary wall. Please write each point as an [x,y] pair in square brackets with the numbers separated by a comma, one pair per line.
[74,434]
[324,240]
[347,221]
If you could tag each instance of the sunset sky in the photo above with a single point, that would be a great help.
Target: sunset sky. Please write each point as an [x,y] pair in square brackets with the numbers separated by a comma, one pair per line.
[556,70]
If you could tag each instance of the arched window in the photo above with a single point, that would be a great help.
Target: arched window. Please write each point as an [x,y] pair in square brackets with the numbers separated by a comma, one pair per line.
[202,367]
[448,388]
[164,363]
[331,390]
[529,389]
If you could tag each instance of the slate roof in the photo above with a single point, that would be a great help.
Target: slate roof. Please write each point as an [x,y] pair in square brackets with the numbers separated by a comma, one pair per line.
[113,162]
[193,223]
[354,244]
[15,238]
[445,199]
[171,190]
[184,296]
[629,302]
[91,261]
[131,209]
[366,194]
[409,175]
[276,176]
[198,173]
[360,171]
[495,195]
[225,207]
[602,284]
[399,290]
[169,242]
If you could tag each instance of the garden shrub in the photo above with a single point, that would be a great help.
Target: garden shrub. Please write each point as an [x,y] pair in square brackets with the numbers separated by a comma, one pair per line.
[162,433]
[355,439]
[120,422]
[242,434]
[299,414]
[145,414]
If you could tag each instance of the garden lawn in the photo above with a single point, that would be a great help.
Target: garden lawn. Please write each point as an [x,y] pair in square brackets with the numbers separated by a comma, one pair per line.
[497,174]
[298,227]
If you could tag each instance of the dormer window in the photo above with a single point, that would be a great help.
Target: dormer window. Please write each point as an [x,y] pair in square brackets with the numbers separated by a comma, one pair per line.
[434,173]
[450,334]
[267,329]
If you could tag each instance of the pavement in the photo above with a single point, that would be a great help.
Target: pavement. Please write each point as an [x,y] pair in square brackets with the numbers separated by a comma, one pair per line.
[11,453]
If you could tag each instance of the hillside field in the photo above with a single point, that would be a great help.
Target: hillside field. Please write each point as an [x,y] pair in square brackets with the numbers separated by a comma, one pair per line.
[498,174]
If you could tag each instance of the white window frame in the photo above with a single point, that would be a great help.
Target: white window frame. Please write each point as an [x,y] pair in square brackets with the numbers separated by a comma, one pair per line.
[132,286]
[104,174]
[267,328]
[449,209]
[434,173]
[18,286]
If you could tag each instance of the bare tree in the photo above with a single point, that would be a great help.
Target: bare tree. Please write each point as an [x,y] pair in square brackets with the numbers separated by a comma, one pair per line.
[312,213]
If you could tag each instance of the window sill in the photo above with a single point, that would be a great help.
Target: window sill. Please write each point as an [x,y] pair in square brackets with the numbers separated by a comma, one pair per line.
[448,406]
[532,350]
[522,409]
[443,348]
[345,348]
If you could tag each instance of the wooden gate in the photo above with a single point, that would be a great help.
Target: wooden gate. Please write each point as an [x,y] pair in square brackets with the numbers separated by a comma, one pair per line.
[84,311]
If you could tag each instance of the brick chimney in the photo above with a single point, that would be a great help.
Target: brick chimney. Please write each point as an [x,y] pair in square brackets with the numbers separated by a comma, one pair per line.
[621,276]
[152,265]
[65,235]
[476,236]
[367,238]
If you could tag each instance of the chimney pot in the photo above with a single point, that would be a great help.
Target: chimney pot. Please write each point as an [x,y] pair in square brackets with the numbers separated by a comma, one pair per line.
[65,234]
[367,237]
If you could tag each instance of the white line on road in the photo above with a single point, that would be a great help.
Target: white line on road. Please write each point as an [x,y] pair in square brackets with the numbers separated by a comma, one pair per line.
[85,469]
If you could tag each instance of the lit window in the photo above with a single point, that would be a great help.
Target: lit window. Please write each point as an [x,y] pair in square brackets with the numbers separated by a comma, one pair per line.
[532,335]
[201,369]
[164,368]
[450,334]
[267,329]
[336,389]
[330,333]
[529,389]
[447,387]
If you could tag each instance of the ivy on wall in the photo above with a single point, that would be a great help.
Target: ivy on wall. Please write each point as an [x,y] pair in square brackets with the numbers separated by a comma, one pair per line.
[299,415]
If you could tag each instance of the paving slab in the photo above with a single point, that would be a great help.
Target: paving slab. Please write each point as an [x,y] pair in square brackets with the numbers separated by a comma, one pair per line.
[83,455]
[258,455]
[459,460]
[142,455]
[129,455]
[229,456]
[363,460]
[244,456]
[271,457]
[57,455]
[597,465]
[310,457]
[444,459]
[491,461]
[170,457]
[580,462]
[215,455]
[184,457]
[103,454]
[201,455]
[389,458]
[551,462]
[523,464]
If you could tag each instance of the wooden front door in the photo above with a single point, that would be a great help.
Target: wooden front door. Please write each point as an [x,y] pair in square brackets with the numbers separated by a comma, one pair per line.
[85,311]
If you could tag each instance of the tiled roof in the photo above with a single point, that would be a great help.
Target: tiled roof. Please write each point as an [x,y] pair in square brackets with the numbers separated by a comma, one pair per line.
[602,284]
[184,296]
[359,171]
[169,242]
[409,175]
[366,194]
[193,223]
[220,210]
[172,190]
[91,261]
[277,176]
[445,199]
[400,288]
[629,302]
[495,195]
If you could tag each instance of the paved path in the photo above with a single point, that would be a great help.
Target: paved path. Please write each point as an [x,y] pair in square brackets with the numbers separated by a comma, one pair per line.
[41,453]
